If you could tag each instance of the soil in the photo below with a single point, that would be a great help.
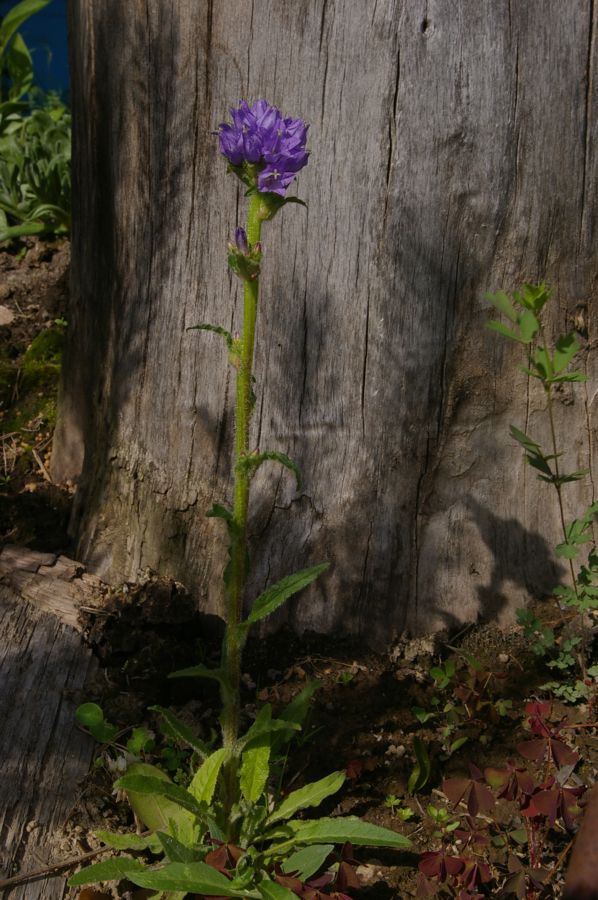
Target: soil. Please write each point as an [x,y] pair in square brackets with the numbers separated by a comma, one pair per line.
[370,714]
[33,298]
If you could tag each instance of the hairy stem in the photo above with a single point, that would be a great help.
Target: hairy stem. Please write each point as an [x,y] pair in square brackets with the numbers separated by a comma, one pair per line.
[243,410]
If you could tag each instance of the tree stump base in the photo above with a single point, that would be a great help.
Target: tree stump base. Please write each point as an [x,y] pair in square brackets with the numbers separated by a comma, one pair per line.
[44,665]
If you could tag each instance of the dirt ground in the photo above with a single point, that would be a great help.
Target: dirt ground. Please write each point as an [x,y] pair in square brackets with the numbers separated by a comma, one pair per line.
[370,713]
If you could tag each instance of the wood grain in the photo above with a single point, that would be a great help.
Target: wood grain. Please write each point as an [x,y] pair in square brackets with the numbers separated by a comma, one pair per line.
[453,152]
[43,667]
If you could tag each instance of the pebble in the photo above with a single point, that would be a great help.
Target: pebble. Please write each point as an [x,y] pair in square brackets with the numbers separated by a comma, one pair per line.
[6,315]
[396,750]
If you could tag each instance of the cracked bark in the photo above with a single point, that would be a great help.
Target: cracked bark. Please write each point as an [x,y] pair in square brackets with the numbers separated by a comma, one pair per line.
[446,161]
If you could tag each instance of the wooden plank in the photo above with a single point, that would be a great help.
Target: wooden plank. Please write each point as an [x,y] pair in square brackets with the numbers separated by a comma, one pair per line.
[44,756]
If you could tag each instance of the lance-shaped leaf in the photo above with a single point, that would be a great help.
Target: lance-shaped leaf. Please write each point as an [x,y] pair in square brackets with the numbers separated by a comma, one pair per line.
[275,596]
[129,841]
[216,329]
[333,831]
[154,786]
[108,870]
[201,671]
[16,16]
[194,877]
[306,862]
[203,783]
[175,728]
[175,851]
[157,811]
[309,795]
[423,767]
[251,463]
[271,890]
[255,767]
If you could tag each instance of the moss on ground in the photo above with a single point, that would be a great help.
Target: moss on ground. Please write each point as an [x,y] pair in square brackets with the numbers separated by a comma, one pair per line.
[28,390]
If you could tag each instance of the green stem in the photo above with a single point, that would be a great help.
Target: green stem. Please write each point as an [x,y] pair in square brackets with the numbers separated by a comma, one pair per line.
[557,485]
[243,411]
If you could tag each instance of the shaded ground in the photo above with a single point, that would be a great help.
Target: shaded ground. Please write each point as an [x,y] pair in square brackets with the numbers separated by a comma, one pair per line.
[33,299]
[371,714]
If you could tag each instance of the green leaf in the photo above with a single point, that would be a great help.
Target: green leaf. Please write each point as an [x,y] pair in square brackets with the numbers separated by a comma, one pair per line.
[503,304]
[570,376]
[194,877]
[175,728]
[174,850]
[306,862]
[298,708]
[253,461]
[157,811]
[16,16]
[202,672]
[90,716]
[108,870]
[216,329]
[494,325]
[129,841]
[20,68]
[526,442]
[255,768]
[203,783]
[334,831]
[275,596]
[422,769]
[147,784]
[566,551]
[310,795]
[271,890]
[565,349]
[528,326]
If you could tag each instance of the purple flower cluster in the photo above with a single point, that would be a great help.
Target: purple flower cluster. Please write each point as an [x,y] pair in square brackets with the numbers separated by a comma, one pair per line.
[261,136]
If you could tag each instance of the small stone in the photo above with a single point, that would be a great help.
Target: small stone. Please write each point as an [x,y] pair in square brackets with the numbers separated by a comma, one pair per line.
[6,315]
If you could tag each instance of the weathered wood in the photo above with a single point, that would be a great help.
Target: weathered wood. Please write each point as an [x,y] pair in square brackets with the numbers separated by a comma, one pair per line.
[453,151]
[43,667]
[50,582]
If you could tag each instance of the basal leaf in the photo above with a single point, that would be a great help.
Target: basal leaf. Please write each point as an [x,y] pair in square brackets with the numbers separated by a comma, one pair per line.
[272,890]
[309,795]
[174,850]
[306,862]
[109,870]
[275,596]
[194,877]
[334,831]
[129,841]
[203,783]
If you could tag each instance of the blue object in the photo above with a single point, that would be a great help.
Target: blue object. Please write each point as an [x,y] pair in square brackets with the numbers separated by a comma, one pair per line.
[45,35]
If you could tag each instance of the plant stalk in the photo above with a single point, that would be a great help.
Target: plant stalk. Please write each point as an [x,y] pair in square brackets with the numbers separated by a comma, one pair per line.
[238,564]
[558,486]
